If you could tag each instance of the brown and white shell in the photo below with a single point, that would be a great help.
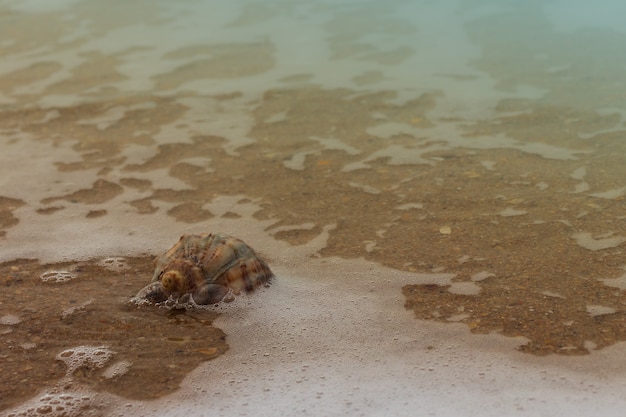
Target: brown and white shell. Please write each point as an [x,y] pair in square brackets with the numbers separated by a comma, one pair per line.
[206,267]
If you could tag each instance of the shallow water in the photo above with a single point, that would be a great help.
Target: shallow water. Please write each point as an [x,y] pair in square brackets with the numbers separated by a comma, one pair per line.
[439,187]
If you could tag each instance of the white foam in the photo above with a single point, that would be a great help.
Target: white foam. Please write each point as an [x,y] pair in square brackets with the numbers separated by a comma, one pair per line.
[113,115]
[335,144]
[618,282]
[489,165]
[60,403]
[114,263]
[581,187]
[511,212]
[446,135]
[335,339]
[231,121]
[68,312]
[599,310]
[364,187]
[296,162]
[335,332]
[93,357]
[116,369]
[611,194]
[10,320]
[464,288]
[579,173]
[409,206]
[57,276]
[67,398]
[292,227]
[587,241]
[397,155]
[481,276]
[552,294]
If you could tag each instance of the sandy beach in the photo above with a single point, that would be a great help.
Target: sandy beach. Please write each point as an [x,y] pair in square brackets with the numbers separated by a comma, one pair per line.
[438,188]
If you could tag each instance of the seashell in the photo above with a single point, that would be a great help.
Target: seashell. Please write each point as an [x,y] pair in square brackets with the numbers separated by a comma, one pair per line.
[206,267]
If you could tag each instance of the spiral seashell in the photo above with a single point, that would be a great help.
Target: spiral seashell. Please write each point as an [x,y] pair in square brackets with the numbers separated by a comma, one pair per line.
[206,267]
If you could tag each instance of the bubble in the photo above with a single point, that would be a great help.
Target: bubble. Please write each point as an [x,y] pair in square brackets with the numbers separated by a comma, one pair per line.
[10,319]
[68,312]
[119,368]
[464,288]
[599,310]
[57,276]
[93,357]
[28,345]
[115,264]
[54,404]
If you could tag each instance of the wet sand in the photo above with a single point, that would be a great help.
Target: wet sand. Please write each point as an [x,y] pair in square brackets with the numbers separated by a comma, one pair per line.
[64,305]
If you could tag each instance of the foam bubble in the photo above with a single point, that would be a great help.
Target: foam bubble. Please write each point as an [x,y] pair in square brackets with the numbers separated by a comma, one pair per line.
[611,194]
[93,357]
[510,212]
[73,310]
[619,282]
[409,206]
[115,114]
[350,341]
[464,288]
[114,263]
[599,310]
[57,276]
[10,319]
[116,369]
[587,241]
[59,404]
[481,276]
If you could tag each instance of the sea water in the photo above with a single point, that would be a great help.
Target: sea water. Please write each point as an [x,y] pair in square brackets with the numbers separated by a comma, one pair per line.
[438,186]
